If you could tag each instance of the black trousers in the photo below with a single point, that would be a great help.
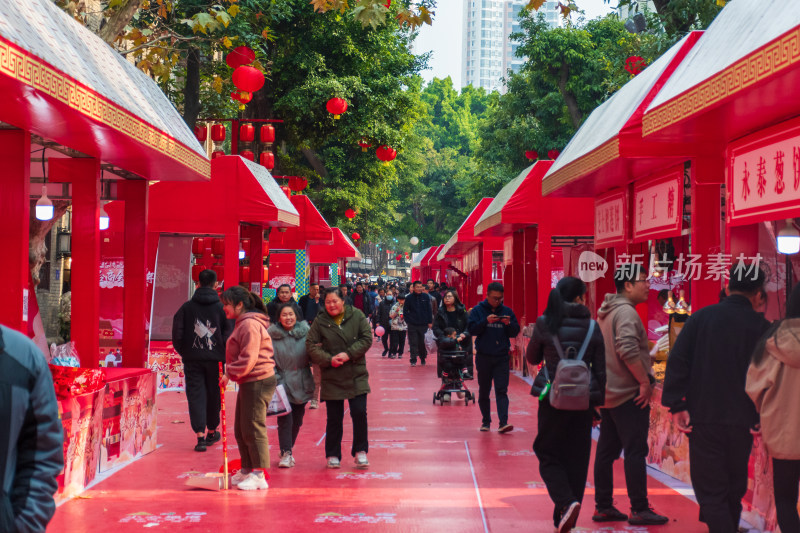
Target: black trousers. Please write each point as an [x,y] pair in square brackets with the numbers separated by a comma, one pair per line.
[718,459]
[202,393]
[563,446]
[785,480]
[398,342]
[624,427]
[416,341]
[289,426]
[385,339]
[493,370]
[334,429]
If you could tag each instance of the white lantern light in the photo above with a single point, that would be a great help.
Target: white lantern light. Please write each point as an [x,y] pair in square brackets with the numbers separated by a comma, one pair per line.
[789,239]
[44,206]
[104,220]
[414,241]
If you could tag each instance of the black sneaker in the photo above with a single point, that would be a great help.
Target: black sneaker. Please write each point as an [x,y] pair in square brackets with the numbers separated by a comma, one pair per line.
[648,517]
[608,514]
[213,437]
[413,363]
[423,362]
[392,356]
[384,353]
[484,427]
[201,445]
[569,518]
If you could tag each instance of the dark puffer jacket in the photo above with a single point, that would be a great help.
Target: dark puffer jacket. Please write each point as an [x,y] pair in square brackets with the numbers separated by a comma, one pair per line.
[441,322]
[382,316]
[572,332]
[326,339]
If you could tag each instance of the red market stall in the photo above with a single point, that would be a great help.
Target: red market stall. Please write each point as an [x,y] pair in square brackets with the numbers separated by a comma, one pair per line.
[289,250]
[83,126]
[735,93]
[420,266]
[439,269]
[476,261]
[328,263]
[541,236]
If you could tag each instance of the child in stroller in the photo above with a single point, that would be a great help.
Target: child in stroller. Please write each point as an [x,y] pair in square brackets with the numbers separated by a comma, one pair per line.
[453,362]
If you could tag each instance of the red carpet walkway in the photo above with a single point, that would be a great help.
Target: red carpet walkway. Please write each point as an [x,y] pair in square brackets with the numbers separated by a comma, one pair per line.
[431,470]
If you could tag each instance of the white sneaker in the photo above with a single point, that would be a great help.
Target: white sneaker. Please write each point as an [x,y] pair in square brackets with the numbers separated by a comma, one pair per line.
[287,461]
[445,397]
[238,477]
[253,481]
[333,462]
[361,460]
[314,404]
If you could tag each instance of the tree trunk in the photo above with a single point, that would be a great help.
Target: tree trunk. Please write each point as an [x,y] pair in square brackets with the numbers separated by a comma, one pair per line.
[191,91]
[315,162]
[117,22]
[572,102]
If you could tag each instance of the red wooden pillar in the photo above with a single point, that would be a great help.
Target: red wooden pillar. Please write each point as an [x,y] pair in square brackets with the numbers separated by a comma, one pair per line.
[518,276]
[544,265]
[231,257]
[707,175]
[254,254]
[134,296]
[485,271]
[531,278]
[15,213]
[84,173]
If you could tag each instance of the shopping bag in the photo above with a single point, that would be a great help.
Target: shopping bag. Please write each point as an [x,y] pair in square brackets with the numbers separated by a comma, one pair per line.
[279,405]
[430,341]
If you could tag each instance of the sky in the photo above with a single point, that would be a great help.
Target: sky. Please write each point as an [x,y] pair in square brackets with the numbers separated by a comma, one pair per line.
[443,37]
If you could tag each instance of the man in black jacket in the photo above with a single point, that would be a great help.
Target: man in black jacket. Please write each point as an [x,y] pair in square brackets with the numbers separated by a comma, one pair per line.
[382,319]
[199,333]
[309,303]
[493,325]
[362,301]
[283,295]
[418,314]
[704,390]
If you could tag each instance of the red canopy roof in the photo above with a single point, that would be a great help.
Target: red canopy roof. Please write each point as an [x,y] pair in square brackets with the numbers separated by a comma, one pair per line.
[464,239]
[62,82]
[239,191]
[313,230]
[342,248]
[520,204]
[423,257]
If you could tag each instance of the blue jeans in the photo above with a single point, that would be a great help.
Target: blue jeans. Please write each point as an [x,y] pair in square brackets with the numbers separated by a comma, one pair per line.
[493,369]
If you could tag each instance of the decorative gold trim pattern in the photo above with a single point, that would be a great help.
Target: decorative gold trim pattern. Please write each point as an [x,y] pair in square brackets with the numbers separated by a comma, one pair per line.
[22,66]
[585,164]
[760,64]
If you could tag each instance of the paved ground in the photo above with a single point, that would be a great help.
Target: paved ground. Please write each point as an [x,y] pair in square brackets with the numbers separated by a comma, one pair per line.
[431,470]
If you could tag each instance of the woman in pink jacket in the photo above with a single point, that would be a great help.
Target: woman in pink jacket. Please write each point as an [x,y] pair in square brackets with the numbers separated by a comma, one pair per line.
[251,365]
[773,383]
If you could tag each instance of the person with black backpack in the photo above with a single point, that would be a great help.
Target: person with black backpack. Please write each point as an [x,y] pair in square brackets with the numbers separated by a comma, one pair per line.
[570,384]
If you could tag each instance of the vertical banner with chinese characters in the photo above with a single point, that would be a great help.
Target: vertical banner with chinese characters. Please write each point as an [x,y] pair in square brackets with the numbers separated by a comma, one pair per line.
[611,218]
[658,206]
[763,175]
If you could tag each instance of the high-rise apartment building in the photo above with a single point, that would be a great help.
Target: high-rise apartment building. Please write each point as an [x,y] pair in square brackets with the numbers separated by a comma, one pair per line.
[488,53]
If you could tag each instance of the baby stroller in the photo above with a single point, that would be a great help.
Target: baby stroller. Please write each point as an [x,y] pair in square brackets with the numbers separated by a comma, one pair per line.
[453,364]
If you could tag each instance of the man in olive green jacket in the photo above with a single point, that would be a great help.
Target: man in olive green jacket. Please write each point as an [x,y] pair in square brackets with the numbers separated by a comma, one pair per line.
[338,342]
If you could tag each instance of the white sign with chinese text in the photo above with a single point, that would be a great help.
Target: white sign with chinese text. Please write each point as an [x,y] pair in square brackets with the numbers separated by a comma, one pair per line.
[610,221]
[658,206]
[763,175]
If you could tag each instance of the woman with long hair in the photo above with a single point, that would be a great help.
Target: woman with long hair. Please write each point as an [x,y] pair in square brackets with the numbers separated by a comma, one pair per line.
[453,314]
[564,439]
[293,368]
[250,363]
[338,342]
[773,383]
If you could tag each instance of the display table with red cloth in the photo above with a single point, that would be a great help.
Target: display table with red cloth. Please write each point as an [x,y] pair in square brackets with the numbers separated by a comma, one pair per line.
[107,428]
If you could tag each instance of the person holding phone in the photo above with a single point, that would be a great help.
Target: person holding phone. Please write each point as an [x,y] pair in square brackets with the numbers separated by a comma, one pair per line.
[493,325]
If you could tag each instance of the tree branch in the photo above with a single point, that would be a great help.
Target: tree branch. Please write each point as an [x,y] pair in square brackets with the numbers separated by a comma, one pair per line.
[117,22]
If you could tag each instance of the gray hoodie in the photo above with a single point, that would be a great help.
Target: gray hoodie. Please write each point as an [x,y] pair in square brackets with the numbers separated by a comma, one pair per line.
[627,356]
[292,364]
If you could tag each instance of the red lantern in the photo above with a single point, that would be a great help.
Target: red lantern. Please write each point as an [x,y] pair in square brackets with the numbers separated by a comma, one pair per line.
[218,247]
[247,133]
[267,159]
[196,269]
[349,213]
[244,274]
[201,132]
[264,249]
[241,55]
[364,144]
[552,154]
[635,64]
[532,155]
[217,133]
[267,134]
[198,246]
[336,106]
[386,153]
[248,79]
[220,270]
[217,153]
[388,4]
[297,183]
[264,274]
[355,236]
[287,191]
[399,257]
[248,154]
